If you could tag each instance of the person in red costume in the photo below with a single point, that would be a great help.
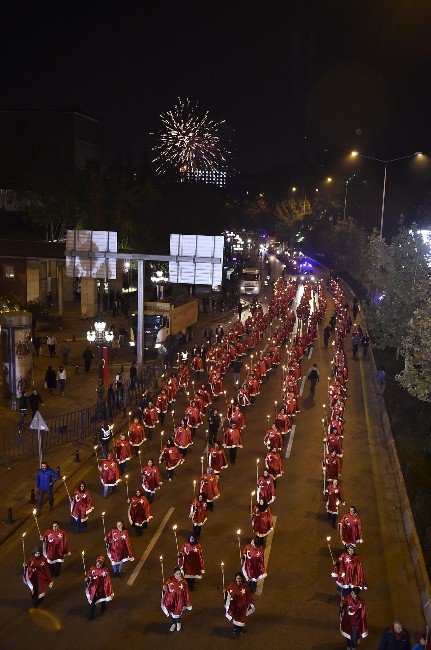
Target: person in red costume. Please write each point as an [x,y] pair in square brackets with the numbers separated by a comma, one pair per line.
[81,506]
[282,422]
[273,464]
[123,452]
[175,599]
[244,396]
[183,437]
[150,418]
[334,442]
[136,435]
[198,514]
[273,439]
[109,474]
[198,364]
[253,564]
[348,571]
[217,458]
[170,454]
[193,417]
[334,496]
[266,487]
[99,587]
[139,512]
[351,528]
[37,576]
[238,603]
[236,418]
[55,547]
[353,619]
[151,479]
[332,466]
[216,384]
[191,561]
[209,488]
[261,519]
[161,405]
[118,548]
[232,440]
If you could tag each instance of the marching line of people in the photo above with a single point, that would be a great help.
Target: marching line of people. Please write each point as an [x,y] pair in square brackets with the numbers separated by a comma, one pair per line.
[347,568]
[112,465]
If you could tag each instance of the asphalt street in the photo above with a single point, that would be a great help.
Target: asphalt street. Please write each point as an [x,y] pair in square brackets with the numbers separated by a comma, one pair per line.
[298,604]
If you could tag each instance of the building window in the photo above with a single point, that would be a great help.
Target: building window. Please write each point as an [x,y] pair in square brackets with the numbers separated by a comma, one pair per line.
[9,271]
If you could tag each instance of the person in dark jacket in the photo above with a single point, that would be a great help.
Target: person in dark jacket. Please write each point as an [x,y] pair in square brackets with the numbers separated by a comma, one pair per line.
[395,637]
[34,400]
[23,406]
[45,479]
[88,358]
[50,379]
[214,423]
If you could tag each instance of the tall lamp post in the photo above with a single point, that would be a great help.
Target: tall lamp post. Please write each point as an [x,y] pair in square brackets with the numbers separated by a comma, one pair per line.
[101,336]
[345,195]
[355,154]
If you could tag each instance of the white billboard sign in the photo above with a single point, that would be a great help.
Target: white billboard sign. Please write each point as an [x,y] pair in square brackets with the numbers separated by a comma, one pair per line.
[191,271]
[91,241]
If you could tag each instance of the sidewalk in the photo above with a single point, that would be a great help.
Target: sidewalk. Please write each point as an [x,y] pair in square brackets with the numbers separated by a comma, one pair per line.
[81,387]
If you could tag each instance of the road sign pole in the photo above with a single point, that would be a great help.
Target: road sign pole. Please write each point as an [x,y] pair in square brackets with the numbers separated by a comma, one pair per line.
[39,442]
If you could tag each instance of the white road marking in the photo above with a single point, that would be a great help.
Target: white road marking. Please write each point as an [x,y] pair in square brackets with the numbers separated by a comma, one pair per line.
[290,443]
[301,390]
[269,539]
[149,548]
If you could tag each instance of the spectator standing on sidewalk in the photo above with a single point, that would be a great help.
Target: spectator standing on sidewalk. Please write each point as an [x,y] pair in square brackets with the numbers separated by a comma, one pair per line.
[65,351]
[45,479]
[208,334]
[365,342]
[133,372]
[356,339]
[105,437]
[381,380]
[239,308]
[50,379]
[395,637]
[88,358]
[34,401]
[36,344]
[51,342]
[23,406]
[61,376]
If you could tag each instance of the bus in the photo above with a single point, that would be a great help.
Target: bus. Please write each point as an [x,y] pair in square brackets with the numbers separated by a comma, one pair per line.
[251,282]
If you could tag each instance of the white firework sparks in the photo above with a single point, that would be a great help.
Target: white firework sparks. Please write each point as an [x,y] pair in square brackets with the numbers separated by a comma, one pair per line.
[188,141]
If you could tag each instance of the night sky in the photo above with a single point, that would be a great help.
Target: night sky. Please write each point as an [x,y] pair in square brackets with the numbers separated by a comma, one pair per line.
[292,79]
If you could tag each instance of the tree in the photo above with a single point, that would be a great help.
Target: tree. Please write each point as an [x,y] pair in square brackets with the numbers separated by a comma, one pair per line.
[399,276]
[416,348]
[291,214]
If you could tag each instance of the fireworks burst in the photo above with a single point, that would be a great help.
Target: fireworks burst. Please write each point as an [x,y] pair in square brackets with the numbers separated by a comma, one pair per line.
[187,141]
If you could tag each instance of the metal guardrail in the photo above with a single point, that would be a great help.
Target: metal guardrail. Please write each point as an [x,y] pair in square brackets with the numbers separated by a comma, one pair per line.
[76,426]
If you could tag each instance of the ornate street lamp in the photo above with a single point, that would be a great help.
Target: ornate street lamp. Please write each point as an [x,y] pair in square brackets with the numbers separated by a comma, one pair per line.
[102,337]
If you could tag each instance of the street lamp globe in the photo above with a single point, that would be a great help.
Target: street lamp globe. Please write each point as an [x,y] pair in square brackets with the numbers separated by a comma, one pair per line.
[100,327]
[354,154]
[91,336]
[109,336]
